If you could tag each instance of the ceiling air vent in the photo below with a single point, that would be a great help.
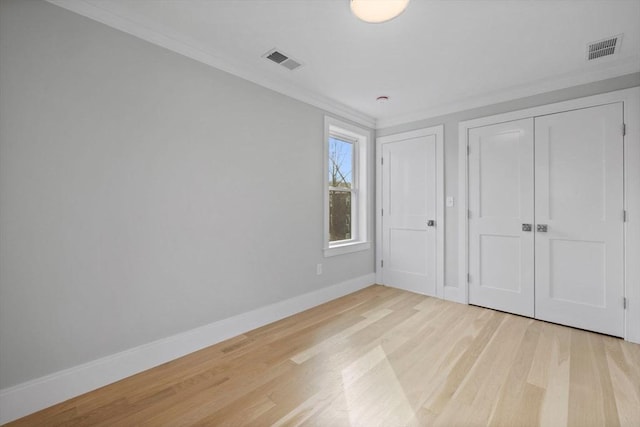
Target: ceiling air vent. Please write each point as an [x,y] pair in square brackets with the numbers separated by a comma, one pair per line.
[605,47]
[282,59]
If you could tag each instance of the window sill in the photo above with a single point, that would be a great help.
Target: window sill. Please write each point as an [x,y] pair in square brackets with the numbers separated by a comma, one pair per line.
[346,248]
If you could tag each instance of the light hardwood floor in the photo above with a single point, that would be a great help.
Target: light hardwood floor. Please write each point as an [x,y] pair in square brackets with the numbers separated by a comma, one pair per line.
[381,357]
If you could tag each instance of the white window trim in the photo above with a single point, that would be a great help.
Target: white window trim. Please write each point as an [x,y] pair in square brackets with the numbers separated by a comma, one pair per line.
[360,138]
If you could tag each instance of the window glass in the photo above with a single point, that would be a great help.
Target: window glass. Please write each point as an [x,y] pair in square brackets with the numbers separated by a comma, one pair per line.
[341,155]
[340,163]
[339,215]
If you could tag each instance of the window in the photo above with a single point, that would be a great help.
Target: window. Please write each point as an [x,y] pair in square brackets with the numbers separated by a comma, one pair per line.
[345,188]
[342,191]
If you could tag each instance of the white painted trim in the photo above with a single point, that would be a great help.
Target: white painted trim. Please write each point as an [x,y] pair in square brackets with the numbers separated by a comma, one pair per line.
[438,132]
[190,48]
[463,214]
[347,248]
[378,210]
[632,206]
[610,70]
[631,101]
[440,202]
[32,396]
[455,294]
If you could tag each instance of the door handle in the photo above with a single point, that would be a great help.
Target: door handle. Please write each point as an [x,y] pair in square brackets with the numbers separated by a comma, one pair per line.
[431,223]
[526,227]
[542,228]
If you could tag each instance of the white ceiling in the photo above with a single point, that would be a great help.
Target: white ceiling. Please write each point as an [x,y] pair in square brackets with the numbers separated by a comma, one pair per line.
[437,57]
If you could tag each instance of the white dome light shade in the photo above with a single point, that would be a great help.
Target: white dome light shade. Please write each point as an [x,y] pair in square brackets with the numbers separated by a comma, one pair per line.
[377,11]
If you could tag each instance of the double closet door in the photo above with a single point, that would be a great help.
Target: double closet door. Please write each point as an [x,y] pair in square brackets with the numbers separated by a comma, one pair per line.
[546,218]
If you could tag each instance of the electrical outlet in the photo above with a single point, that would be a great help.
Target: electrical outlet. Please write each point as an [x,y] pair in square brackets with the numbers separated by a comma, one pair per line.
[319,269]
[449,201]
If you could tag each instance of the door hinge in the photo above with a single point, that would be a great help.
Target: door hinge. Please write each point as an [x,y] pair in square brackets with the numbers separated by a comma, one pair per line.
[468,278]
[624,303]
[624,216]
[468,150]
[382,160]
[381,212]
[469,214]
[381,263]
[624,129]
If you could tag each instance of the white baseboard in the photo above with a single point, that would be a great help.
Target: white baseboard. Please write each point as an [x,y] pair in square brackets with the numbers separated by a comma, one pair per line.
[34,395]
[455,294]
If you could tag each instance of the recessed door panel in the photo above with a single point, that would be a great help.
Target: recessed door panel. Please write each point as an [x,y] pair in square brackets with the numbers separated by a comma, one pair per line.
[499,180]
[500,202]
[585,285]
[409,203]
[406,251]
[500,263]
[579,198]
[575,170]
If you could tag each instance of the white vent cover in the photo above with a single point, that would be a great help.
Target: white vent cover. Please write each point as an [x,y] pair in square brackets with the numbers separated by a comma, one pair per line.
[283,59]
[604,47]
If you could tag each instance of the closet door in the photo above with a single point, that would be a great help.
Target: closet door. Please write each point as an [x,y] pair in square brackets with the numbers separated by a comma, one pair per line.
[579,222]
[501,217]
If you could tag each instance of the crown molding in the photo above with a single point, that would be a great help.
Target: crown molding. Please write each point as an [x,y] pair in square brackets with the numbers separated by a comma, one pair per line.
[613,69]
[190,48]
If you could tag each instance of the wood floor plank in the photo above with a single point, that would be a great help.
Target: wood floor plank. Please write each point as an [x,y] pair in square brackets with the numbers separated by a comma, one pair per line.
[609,406]
[477,394]
[422,356]
[465,362]
[555,405]
[519,399]
[380,357]
[585,396]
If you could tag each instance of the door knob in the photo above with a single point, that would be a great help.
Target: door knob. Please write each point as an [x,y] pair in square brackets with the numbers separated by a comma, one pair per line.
[431,223]
[526,227]
[542,228]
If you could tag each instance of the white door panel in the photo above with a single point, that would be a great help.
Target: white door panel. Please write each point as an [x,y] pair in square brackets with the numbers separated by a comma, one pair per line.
[579,196]
[409,202]
[500,202]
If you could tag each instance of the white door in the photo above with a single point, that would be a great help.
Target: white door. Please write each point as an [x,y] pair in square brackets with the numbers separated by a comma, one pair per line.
[408,177]
[501,217]
[579,199]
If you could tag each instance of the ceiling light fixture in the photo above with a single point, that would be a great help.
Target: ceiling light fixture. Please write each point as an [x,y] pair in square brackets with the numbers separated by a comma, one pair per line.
[377,11]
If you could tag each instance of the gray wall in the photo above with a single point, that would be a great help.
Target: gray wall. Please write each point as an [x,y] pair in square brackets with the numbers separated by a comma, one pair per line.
[143,194]
[451,122]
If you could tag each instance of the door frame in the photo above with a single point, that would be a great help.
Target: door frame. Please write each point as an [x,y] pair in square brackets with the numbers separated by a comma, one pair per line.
[438,132]
[631,140]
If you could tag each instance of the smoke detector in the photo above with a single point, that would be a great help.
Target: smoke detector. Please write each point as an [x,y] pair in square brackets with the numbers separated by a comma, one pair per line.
[604,47]
[283,59]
